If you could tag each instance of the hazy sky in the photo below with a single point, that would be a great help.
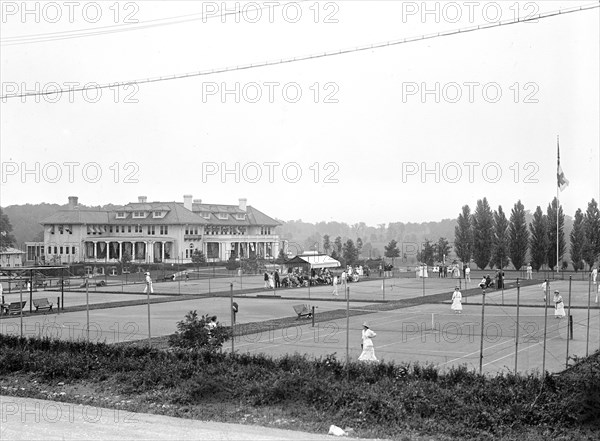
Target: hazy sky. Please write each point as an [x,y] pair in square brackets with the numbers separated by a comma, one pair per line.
[343,138]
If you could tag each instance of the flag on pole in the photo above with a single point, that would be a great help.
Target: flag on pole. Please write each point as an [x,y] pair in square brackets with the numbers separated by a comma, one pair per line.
[562,182]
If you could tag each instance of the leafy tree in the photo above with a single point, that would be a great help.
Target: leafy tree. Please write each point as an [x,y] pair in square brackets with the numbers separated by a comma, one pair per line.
[577,241]
[193,333]
[338,245]
[428,253]
[463,236]
[198,257]
[350,252]
[359,245]
[391,250]
[6,237]
[326,244]
[483,234]
[281,257]
[591,224]
[518,236]
[125,258]
[442,249]
[501,239]
[539,239]
[551,216]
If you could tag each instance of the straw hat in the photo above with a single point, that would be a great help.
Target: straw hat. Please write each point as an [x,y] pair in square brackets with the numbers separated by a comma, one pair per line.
[365,325]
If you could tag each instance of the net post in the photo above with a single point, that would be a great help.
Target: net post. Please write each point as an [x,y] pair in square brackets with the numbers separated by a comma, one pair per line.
[587,338]
[546,294]
[313,316]
[482,332]
[517,325]
[569,323]
[347,325]
[232,318]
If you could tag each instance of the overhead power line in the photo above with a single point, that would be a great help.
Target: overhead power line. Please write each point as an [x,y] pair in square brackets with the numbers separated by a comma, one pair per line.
[313,56]
[124,27]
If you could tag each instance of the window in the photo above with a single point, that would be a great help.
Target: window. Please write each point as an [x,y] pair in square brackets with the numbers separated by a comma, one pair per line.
[73,250]
[52,229]
[223,216]
[110,229]
[139,214]
[158,214]
[138,228]
[69,229]
[164,229]
[129,228]
[66,250]
[49,250]
[121,215]
[240,216]
[212,250]
[150,229]
[55,250]
[60,229]
[206,215]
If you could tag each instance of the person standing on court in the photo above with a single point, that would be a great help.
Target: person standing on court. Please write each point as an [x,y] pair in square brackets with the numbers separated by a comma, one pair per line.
[559,306]
[545,288]
[456,301]
[529,272]
[266,279]
[148,284]
[468,274]
[594,274]
[368,351]
[277,282]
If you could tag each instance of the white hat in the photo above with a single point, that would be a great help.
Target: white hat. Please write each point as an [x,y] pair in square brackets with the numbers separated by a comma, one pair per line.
[365,325]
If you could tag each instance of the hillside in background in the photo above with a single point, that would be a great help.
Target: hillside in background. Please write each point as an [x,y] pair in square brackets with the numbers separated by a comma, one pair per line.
[302,236]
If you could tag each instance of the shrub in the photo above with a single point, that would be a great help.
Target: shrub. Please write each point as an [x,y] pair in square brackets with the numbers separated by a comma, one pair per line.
[193,333]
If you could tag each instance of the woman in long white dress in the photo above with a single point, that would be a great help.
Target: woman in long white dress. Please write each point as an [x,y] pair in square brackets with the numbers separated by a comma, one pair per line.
[368,351]
[456,301]
[559,306]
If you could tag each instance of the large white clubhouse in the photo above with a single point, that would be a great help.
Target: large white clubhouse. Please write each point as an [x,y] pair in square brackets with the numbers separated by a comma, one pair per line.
[153,232]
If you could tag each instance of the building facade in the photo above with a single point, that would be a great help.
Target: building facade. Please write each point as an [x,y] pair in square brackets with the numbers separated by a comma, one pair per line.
[156,232]
[11,257]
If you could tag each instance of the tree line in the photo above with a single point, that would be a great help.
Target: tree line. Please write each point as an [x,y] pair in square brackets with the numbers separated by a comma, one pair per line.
[491,239]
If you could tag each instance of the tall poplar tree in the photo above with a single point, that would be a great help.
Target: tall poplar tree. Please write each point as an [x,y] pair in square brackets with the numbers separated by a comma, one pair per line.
[463,236]
[539,239]
[501,239]
[562,244]
[577,241]
[518,236]
[483,233]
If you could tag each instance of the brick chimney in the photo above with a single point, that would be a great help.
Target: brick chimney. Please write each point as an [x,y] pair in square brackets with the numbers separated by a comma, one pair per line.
[187,201]
[142,199]
[73,201]
[243,202]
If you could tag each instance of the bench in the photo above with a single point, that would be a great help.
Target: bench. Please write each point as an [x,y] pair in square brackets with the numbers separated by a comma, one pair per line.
[42,304]
[16,307]
[302,311]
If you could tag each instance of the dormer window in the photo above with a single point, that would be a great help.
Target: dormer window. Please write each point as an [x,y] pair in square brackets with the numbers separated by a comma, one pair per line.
[206,215]
[121,215]
[240,216]
[158,214]
[223,216]
[139,215]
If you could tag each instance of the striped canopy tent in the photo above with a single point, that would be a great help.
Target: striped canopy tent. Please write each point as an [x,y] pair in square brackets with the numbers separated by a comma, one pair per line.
[313,261]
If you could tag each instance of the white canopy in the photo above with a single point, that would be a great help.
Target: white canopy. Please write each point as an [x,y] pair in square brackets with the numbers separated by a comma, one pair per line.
[319,260]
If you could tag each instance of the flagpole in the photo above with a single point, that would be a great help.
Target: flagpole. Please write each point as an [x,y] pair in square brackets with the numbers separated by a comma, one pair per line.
[557,200]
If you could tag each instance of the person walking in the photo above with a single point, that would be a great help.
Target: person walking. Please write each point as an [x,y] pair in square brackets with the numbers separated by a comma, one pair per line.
[456,301]
[335,286]
[559,306]
[148,284]
[368,351]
